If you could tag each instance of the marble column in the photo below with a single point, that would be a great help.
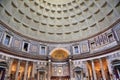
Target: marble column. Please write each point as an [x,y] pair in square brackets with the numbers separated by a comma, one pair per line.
[102,69]
[71,70]
[86,69]
[109,68]
[38,75]
[17,70]
[26,70]
[49,69]
[33,70]
[93,69]
[75,75]
[45,75]
[10,66]
[37,69]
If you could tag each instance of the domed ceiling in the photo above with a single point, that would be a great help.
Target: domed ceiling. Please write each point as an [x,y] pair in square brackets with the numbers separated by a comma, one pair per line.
[59,20]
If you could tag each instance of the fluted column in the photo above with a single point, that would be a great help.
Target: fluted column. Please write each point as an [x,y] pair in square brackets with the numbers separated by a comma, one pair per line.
[109,68]
[71,70]
[93,69]
[17,70]
[37,69]
[49,69]
[101,66]
[38,75]
[10,66]
[26,70]
[75,76]
[45,75]
[87,74]
[33,69]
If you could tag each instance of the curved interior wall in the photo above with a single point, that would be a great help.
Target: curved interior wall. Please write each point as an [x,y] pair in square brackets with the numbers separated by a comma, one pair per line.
[14,43]
[28,56]
[89,55]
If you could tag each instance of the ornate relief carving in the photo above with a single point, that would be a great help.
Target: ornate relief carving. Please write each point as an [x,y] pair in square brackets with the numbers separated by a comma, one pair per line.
[61,69]
[102,41]
[16,43]
[34,48]
[84,47]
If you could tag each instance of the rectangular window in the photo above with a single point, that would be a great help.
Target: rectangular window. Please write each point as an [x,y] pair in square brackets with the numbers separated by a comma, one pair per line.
[25,46]
[110,37]
[42,50]
[7,40]
[92,45]
[76,49]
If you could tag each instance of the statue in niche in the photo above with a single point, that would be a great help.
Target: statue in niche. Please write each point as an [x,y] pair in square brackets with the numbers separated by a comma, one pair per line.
[78,75]
[42,76]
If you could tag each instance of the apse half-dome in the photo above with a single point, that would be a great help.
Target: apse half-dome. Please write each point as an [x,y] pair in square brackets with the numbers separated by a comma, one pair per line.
[59,54]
